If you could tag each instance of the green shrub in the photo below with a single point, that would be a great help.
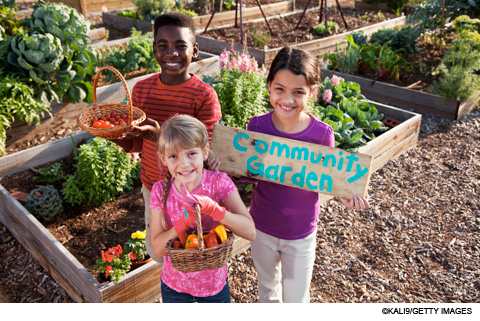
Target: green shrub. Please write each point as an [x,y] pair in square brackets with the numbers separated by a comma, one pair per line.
[103,172]
[149,9]
[44,202]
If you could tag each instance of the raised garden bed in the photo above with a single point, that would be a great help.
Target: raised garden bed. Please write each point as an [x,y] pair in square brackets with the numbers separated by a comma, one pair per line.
[220,19]
[409,98]
[316,47]
[65,113]
[141,285]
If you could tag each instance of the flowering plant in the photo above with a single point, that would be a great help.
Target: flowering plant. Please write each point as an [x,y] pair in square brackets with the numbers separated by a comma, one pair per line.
[114,263]
[135,246]
[241,88]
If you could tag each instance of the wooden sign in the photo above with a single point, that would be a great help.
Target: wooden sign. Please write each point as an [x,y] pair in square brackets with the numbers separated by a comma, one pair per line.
[291,162]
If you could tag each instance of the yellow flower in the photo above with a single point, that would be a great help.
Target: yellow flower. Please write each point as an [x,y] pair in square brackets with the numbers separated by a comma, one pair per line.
[139,235]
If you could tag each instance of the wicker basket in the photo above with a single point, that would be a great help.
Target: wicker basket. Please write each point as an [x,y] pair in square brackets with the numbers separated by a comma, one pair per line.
[135,115]
[193,260]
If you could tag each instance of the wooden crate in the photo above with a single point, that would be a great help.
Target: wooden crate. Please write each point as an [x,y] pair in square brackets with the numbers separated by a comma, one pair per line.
[409,98]
[315,47]
[220,19]
[141,285]
[64,113]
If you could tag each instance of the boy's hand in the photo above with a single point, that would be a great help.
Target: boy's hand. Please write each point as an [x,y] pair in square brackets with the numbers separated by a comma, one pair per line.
[149,129]
[207,205]
[213,164]
[358,203]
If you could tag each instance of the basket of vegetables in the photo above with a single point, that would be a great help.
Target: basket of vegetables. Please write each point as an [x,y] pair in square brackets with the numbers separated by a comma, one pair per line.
[110,120]
[201,251]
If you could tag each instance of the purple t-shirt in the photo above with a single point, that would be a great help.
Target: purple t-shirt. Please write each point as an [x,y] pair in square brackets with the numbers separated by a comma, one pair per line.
[282,211]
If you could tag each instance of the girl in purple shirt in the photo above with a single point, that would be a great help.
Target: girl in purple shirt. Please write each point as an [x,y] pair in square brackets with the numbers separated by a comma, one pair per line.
[286,217]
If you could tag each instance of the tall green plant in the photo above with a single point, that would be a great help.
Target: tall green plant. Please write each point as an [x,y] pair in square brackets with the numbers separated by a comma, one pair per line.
[241,88]
[103,173]
[149,9]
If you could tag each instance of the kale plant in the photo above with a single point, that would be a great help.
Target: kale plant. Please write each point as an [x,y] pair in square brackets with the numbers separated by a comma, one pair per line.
[103,172]
[44,202]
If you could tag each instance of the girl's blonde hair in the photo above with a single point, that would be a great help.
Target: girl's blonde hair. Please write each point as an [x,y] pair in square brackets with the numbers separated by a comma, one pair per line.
[179,132]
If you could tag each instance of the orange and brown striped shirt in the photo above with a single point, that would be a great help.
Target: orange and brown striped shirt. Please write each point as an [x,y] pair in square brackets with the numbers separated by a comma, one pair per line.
[159,102]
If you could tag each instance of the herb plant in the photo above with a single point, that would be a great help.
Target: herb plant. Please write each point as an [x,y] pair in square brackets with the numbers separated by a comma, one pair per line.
[103,172]
[51,175]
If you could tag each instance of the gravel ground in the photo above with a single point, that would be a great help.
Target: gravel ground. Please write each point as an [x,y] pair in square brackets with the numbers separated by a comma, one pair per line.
[418,243]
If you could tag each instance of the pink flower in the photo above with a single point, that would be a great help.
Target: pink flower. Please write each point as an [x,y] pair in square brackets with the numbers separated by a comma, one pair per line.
[335,80]
[327,96]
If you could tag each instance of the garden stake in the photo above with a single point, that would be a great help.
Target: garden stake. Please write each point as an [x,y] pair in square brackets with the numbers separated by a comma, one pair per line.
[266,21]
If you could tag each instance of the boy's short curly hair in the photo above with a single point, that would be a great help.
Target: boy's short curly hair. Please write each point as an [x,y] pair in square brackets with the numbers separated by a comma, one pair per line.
[174,19]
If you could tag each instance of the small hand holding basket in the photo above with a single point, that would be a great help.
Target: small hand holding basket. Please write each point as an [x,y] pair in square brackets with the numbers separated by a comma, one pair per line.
[201,258]
[135,115]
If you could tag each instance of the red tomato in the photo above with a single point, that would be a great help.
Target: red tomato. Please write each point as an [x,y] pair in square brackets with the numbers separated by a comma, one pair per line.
[123,115]
[121,122]
[103,118]
[97,124]
[113,113]
[116,123]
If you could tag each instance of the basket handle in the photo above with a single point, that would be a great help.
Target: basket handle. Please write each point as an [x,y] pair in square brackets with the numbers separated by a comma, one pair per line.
[125,86]
[199,229]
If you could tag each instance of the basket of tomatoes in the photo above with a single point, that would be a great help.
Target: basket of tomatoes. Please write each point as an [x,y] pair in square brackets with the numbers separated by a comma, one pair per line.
[201,251]
[110,120]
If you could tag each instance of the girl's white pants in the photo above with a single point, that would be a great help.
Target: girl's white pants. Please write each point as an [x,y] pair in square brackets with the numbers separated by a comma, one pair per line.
[284,267]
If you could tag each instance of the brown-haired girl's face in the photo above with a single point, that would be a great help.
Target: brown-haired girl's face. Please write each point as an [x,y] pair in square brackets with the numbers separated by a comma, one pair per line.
[289,94]
[186,165]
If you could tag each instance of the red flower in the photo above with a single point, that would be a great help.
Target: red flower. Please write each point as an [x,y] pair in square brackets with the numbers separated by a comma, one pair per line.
[133,256]
[108,270]
[117,250]
[107,256]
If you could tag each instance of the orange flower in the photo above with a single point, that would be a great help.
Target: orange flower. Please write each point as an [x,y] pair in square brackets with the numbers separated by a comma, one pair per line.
[117,250]
[108,270]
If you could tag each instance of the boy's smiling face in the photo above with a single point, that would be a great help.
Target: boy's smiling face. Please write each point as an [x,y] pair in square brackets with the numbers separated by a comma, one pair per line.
[174,48]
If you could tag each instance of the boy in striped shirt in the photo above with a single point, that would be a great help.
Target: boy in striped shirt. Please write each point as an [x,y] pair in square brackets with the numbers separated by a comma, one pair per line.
[172,91]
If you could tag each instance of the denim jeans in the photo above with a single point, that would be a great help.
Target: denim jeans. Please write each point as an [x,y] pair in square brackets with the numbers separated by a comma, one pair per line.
[171,296]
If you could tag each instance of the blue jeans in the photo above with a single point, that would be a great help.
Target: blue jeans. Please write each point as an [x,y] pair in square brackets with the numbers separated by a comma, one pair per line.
[169,295]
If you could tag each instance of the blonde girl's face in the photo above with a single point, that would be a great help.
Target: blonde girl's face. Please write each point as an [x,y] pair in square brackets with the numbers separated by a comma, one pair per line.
[289,94]
[186,166]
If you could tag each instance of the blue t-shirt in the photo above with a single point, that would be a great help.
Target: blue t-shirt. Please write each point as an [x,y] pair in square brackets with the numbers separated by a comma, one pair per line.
[282,211]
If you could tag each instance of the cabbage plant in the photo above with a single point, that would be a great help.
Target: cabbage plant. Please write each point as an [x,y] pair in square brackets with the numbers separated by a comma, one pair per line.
[54,56]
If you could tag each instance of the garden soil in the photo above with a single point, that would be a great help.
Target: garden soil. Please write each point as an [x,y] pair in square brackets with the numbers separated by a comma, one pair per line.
[419,242]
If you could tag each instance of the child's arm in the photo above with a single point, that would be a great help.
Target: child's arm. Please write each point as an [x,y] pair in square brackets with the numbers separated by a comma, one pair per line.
[234,215]
[358,203]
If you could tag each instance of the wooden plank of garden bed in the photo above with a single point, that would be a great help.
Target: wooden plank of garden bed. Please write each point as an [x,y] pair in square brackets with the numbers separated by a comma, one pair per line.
[409,98]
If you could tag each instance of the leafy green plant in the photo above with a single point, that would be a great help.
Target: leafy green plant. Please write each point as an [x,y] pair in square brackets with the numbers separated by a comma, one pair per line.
[102,173]
[52,174]
[44,202]
[17,101]
[241,88]
[466,23]
[53,55]
[403,40]
[129,14]
[260,37]
[354,120]
[180,7]
[149,9]
[135,55]
[359,37]
[331,26]
[10,24]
